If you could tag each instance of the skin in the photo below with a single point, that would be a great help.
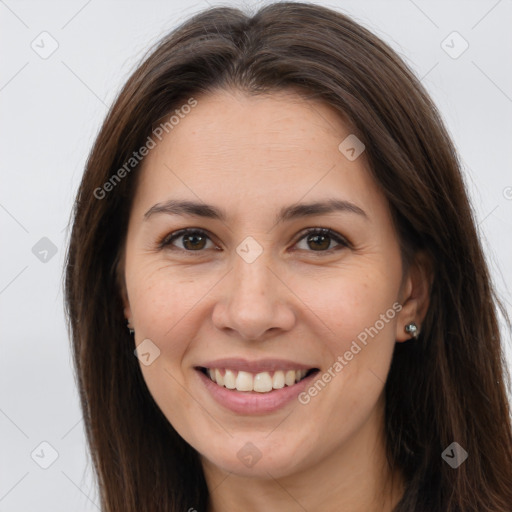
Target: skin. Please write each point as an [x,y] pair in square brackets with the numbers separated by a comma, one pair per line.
[251,156]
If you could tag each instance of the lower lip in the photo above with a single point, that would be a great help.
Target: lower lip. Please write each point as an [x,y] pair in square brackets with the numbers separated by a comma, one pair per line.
[252,402]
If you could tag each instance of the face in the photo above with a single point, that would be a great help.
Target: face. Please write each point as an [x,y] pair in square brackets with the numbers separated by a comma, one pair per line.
[296,308]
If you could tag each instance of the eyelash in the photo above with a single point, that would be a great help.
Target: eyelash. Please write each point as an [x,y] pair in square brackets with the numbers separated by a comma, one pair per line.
[166,242]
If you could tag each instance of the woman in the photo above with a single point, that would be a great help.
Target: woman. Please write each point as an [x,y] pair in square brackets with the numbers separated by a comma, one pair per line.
[273,221]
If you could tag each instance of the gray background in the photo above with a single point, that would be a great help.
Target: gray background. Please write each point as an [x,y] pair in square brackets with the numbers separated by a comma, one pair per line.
[51,109]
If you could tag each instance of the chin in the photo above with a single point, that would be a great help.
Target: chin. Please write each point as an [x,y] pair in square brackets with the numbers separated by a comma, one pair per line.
[256,458]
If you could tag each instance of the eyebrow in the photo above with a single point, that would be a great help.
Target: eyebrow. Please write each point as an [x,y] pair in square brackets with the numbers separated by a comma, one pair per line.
[287,213]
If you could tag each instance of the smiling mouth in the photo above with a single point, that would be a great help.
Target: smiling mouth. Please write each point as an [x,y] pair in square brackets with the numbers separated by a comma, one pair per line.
[263,382]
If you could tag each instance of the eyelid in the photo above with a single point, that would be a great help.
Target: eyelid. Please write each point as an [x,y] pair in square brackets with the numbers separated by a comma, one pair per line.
[337,237]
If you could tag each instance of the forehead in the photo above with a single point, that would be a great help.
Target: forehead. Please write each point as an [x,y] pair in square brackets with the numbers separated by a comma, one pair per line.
[269,148]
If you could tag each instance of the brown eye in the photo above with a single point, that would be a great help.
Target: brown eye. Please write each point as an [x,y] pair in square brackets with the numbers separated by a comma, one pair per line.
[191,240]
[320,240]
[194,241]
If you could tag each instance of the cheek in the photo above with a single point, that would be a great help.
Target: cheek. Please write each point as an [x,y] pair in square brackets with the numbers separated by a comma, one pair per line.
[161,299]
[162,305]
[160,310]
[356,316]
[351,302]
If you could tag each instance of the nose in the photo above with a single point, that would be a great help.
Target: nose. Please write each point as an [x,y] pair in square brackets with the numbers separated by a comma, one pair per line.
[254,301]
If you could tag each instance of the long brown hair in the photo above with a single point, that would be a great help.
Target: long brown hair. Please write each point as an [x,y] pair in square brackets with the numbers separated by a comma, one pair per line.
[448,386]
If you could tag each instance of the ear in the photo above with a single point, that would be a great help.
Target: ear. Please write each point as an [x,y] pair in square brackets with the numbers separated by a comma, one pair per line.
[414,295]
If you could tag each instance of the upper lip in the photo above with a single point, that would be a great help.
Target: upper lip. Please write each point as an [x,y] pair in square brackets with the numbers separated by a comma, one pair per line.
[256,366]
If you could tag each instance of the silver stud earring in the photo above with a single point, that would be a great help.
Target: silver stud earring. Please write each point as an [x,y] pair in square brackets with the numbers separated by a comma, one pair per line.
[412,329]
[130,327]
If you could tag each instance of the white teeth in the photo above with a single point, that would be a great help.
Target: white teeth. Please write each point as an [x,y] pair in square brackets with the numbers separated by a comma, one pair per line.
[229,379]
[300,375]
[244,381]
[278,380]
[289,378]
[262,382]
[218,377]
